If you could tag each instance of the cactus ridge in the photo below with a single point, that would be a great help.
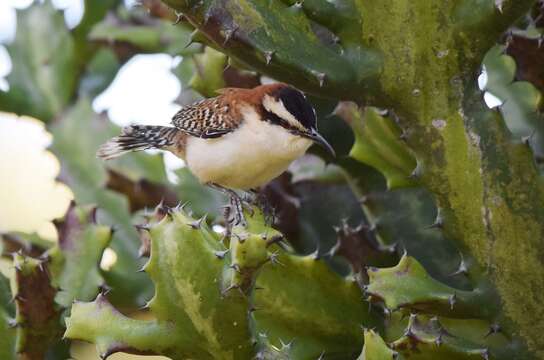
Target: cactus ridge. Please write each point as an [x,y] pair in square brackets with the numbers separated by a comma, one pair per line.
[206,297]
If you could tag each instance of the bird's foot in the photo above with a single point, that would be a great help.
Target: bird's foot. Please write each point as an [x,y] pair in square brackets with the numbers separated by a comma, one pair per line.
[234,212]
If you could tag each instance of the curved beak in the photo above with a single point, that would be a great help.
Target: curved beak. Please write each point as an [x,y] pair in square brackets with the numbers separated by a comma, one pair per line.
[320,140]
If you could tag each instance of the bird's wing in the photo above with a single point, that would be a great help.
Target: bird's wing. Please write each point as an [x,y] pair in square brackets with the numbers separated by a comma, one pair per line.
[209,118]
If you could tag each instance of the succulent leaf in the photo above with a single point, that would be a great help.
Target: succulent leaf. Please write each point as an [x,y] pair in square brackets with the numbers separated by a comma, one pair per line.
[35,91]
[408,285]
[75,261]
[378,144]
[301,299]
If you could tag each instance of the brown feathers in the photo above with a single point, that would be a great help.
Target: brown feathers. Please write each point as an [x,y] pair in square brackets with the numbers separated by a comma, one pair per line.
[214,117]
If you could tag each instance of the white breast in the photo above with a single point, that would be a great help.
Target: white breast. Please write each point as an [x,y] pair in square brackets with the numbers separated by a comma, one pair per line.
[246,158]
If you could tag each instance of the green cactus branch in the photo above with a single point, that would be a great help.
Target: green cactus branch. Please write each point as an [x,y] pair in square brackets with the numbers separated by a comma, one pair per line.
[112,331]
[423,337]
[205,299]
[74,262]
[332,320]
[253,32]
[378,143]
[407,285]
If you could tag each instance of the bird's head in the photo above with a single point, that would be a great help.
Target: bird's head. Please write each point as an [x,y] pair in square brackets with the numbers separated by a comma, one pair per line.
[287,107]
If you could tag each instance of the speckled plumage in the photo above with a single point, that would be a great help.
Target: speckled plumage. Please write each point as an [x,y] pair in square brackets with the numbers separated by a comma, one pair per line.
[209,118]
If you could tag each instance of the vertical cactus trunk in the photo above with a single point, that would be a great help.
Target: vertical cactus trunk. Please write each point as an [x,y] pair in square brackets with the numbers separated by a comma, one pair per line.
[420,59]
[485,181]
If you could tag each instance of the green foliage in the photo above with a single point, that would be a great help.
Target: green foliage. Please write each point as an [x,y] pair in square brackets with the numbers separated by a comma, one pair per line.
[74,261]
[436,174]
[44,64]
[378,143]
[206,299]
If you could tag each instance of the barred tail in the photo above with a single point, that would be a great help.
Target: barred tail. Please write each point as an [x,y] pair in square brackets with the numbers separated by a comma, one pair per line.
[137,138]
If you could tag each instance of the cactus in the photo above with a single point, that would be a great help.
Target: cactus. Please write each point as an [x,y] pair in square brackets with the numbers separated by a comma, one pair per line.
[436,200]
[44,288]
[418,60]
[232,301]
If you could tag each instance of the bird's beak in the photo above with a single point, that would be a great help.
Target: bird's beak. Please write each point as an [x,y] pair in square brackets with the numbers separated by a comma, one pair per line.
[320,140]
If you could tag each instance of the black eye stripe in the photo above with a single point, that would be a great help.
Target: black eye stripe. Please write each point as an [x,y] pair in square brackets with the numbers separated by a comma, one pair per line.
[295,102]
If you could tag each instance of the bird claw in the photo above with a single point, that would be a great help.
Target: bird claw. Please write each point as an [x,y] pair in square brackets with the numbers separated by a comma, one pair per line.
[237,208]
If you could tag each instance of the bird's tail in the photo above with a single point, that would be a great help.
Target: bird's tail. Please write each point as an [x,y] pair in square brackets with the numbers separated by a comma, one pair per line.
[137,138]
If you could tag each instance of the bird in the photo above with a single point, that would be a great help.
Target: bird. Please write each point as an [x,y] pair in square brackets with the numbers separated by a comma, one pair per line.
[236,141]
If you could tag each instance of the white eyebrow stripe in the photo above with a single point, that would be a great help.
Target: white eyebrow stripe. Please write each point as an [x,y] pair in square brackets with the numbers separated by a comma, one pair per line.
[277,107]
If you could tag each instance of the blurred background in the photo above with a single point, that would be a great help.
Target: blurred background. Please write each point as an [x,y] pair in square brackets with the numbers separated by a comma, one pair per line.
[72,72]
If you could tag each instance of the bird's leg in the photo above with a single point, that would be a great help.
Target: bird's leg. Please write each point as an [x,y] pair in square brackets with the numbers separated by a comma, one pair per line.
[235,208]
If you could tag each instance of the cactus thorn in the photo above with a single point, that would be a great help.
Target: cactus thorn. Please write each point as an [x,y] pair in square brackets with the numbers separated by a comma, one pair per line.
[297,6]
[104,290]
[12,323]
[229,288]
[315,254]
[438,221]
[462,269]
[322,355]
[196,225]
[387,312]
[274,240]
[321,77]
[191,39]
[438,341]
[273,258]
[493,329]
[286,346]
[207,17]
[221,254]
[452,300]
[235,267]
[17,297]
[416,173]
[227,66]
[142,269]
[144,306]
[527,139]
[268,55]
[179,17]
[181,206]
[229,33]
[498,5]
[485,354]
